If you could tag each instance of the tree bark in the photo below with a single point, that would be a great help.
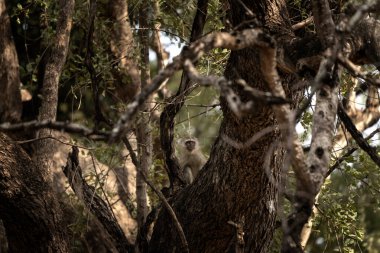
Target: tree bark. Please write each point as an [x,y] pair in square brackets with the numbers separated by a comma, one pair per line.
[234,186]
[53,70]
[29,209]
[143,128]
[124,48]
[10,97]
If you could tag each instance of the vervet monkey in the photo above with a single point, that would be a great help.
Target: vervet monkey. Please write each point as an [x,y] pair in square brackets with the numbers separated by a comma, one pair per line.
[192,159]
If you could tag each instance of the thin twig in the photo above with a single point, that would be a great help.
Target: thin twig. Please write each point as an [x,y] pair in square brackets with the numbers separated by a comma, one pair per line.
[53,138]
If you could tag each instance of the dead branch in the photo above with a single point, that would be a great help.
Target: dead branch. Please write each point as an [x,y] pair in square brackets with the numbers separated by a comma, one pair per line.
[94,202]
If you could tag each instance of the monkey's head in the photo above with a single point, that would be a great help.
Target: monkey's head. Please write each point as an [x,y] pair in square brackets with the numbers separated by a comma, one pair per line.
[190,144]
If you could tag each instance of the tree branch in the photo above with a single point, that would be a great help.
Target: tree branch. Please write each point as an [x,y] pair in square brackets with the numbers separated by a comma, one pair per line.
[240,40]
[358,137]
[135,161]
[56,125]
[349,152]
[94,202]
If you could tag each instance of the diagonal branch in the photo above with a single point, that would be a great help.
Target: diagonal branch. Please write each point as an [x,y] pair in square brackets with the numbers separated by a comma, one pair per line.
[135,161]
[349,152]
[94,202]
[358,137]
[240,40]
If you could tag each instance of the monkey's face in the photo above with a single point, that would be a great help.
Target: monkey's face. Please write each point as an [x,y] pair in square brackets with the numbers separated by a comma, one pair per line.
[190,145]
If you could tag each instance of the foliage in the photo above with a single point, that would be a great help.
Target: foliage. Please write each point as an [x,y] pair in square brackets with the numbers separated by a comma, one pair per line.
[349,209]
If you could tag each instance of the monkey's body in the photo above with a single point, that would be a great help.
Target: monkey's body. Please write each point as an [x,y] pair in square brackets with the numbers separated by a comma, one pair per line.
[192,160]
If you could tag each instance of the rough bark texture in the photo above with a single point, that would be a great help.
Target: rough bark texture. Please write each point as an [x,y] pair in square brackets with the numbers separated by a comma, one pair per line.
[10,98]
[233,186]
[123,46]
[28,208]
[143,131]
[53,69]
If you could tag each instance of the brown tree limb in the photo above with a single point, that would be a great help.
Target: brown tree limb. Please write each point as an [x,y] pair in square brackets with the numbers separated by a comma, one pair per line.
[358,137]
[96,205]
[303,23]
[349,153]
[56,125]
[356,72]
[124,48]
[161,54]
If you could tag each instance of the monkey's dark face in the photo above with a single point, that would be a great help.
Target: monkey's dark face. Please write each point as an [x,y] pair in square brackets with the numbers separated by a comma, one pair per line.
[190,145]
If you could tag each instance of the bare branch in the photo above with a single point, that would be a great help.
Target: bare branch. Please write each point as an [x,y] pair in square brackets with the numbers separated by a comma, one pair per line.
[234,102]
[349,152]
[56,125]
[356,72]
[326,83]
[94,202]
[52,74]
[243,39]
[358,137]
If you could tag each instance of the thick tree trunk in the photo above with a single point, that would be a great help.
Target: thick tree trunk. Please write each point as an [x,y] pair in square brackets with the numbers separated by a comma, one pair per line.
[236,184]
[28,207]
[10,98]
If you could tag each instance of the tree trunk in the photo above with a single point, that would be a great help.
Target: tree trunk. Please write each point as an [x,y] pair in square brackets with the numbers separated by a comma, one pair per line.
[143,129]
[28,207]
[236,184]
[124,48]
[53,70]
[10,97]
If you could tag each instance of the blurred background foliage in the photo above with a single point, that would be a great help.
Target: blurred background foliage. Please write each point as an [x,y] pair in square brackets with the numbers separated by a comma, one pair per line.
[348,217]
